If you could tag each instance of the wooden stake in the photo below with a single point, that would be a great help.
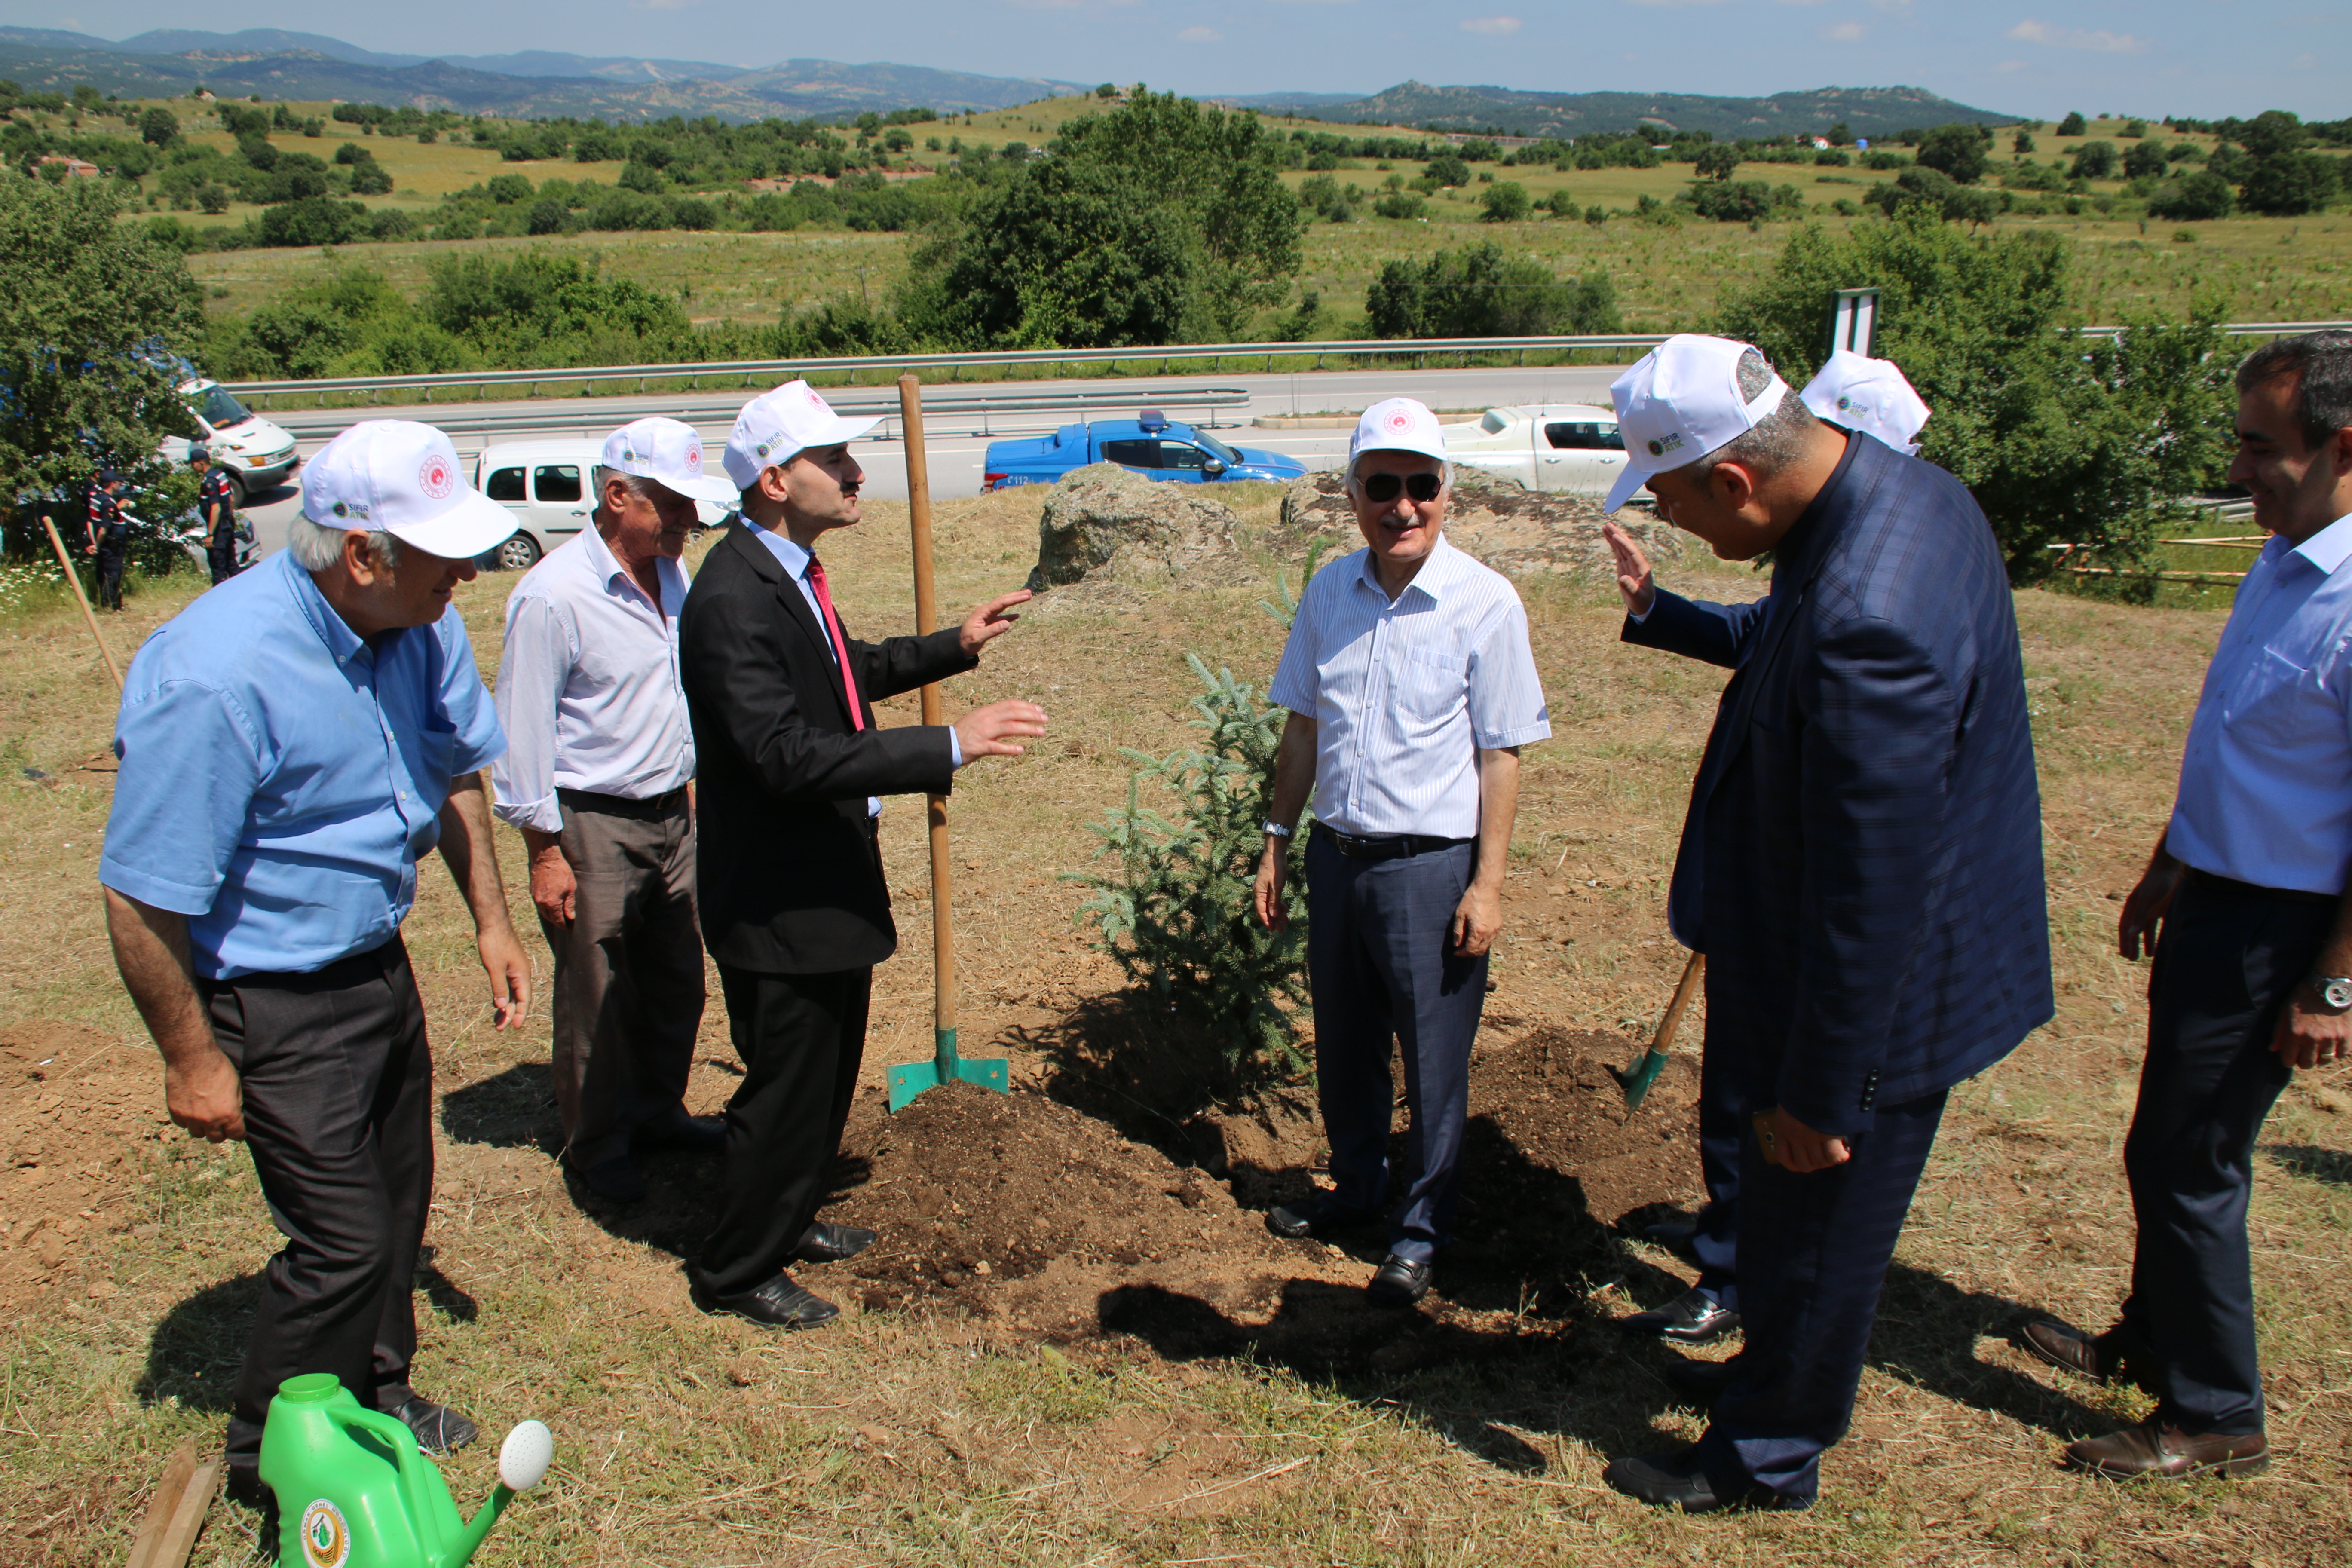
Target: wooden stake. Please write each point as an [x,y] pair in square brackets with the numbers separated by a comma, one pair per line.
[918,511]
[73,581]
[177,1471]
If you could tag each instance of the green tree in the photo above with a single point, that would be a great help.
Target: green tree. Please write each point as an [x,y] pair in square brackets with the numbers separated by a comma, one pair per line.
[311,220]
[2145,160]
[2095,160]
[2198,196]
[1448,170]
[1716,161]
[2287,184]
[1484,292]
[2134,129]
[2061,441]
[1959,150]
[159,127]
[91,309]
[1506,202]
[2022,144]
[2073,126]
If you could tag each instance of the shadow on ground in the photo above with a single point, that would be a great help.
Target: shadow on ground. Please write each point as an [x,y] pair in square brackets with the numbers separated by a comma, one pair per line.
[2333,1166]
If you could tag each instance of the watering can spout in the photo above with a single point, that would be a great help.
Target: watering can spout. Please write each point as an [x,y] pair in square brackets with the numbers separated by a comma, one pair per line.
[523,1459]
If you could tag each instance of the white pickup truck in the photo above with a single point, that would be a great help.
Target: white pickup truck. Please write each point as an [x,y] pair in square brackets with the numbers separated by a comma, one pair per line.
[548,484]
[1570,447]
[258,455]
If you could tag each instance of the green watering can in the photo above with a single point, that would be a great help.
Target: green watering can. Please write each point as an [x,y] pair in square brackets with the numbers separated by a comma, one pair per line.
[354,1491]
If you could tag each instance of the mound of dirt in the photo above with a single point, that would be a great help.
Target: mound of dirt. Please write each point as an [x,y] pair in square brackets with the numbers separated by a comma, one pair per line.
[1106,523]
[1026,1212]
[74,1111]
[1516,531]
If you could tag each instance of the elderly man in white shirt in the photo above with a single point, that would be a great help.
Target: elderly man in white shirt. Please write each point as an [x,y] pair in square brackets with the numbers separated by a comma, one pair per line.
[2243,908]
[1412,689]
[600,755]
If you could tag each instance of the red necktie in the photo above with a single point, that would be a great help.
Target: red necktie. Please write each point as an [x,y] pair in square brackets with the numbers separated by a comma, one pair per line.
[840,643]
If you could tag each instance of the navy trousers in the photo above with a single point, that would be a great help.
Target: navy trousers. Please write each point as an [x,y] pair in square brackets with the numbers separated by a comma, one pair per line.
[1813,1251]
[1722,1123]
[2223,969]
[1380,962]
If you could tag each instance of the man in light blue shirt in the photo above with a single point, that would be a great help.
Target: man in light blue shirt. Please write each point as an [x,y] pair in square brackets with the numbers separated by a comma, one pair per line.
[290,746]
[1412,689]
[2243,909]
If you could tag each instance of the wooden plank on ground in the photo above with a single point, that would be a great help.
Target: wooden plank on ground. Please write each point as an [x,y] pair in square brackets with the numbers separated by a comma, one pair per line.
[163,1504]
[179,1537]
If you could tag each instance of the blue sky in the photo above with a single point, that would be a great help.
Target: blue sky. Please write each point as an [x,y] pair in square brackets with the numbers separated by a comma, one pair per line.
[2203,57]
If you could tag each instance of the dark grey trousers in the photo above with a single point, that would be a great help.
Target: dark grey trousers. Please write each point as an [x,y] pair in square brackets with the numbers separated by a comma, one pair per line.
[338,1084]
[2223,969]
[628,972]
[1379,959]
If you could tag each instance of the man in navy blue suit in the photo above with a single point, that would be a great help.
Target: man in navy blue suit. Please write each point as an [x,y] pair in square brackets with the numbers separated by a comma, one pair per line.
[1861,863]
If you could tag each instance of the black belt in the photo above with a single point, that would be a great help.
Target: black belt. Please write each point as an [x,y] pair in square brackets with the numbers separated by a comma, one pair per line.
[2231,886]
[1396,847]
[653,808]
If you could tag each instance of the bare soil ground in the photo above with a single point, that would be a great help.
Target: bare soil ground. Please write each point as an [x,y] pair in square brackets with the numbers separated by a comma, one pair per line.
[1075,1343]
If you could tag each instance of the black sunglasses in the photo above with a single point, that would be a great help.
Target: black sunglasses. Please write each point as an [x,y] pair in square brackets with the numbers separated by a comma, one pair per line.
[1384,486]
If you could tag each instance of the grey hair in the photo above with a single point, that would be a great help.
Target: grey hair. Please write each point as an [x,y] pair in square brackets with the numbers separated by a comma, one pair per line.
[636,483]
[316,547]
[1778,438]
[2322,361]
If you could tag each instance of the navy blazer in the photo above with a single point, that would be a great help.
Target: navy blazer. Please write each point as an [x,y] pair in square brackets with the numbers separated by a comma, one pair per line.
[1862,858]
[787,879]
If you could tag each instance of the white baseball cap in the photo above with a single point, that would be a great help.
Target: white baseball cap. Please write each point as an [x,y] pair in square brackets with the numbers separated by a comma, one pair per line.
[669,453]
[403,478]
[776,426]
[1680,402]
[1398,424]
[1868,395]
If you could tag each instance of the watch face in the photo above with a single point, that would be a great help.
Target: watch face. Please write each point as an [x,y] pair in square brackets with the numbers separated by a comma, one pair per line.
[2337,993]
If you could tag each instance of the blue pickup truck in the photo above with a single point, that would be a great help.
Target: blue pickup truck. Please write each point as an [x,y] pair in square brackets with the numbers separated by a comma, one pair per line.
[1150,444]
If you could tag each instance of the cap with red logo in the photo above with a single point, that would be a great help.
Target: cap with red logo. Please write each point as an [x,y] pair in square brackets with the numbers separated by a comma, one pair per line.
[401,478]
[669,453]
[777,426]
[1397,425]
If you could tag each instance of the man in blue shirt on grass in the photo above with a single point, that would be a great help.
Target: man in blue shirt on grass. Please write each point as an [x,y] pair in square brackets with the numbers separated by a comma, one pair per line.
[290,745]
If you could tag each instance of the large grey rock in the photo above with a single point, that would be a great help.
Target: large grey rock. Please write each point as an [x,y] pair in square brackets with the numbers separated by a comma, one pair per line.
[1516,531]
[1106,522]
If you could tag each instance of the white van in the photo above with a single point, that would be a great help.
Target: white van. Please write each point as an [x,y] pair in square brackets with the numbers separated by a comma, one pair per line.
[548,486]
[258,456]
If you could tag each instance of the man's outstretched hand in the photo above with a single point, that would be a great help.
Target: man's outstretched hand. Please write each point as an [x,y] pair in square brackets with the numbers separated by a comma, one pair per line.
[1633,580]
[989,622]
[991,731]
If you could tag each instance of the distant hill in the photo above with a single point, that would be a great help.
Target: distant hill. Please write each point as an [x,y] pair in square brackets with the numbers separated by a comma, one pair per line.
[1865,111]
[282,65]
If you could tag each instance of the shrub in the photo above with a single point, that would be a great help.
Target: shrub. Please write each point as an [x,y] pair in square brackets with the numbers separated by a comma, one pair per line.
[2073,126]
[546,217]
[508,189]
[2095,160]
[2145,160]
[2195,196]
[1732,201]
[1506,202]
[1174,908]
[1449,170]
[1832,158]
[312,220]
[159,127]
[2060,441]
[1718,161]
[370,179]
[1960,151]
[1483,293]
[1879,158]
[2285,185]
[1400,205]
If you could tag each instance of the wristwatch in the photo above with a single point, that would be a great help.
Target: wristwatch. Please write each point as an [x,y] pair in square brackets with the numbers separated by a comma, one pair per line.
[1279,831]
[2334,990]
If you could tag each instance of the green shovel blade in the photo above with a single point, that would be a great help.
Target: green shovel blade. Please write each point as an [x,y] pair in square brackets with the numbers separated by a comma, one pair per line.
[1637,1080]
[910,1078]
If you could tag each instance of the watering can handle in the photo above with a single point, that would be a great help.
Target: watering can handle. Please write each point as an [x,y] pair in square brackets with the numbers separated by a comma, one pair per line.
[402,1442]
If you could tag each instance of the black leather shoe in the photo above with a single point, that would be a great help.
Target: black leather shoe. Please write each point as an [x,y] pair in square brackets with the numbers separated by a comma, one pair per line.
[2099,1357]
[1400,1281]
[687,1135]
[615,1180]
[438,1428]
[1315,1217]
[1666,1480]
[1692,1318]
[1701,1381]
[779,1304]
[823,1242]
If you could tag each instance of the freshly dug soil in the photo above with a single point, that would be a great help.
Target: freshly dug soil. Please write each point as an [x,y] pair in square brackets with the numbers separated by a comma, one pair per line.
[1025,1212]
[80,1116]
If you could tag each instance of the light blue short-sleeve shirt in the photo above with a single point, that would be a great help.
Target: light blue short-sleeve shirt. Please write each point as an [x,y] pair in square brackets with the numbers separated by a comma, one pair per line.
[279,776]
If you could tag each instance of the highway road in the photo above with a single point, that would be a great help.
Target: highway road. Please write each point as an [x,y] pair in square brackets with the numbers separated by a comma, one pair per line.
[956,446]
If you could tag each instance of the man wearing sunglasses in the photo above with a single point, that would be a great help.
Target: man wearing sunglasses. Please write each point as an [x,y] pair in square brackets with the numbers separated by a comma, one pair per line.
[1411,688]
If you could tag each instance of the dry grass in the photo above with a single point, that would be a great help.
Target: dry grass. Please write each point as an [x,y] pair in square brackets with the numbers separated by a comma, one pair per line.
[908,1439]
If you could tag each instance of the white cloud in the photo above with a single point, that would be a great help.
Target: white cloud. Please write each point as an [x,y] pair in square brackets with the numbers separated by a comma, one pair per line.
[1199,35]
[1846,32]
[2098,40]
[1493,26]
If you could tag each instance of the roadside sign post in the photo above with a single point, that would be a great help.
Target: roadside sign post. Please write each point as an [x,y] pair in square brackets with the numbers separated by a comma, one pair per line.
[1853,316]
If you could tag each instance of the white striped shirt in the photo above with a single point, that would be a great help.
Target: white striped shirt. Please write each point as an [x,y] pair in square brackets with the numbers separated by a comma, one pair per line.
[1404,695]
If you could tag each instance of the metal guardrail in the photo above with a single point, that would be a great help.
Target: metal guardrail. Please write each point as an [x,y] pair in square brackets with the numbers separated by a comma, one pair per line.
[944,406]
[743,373]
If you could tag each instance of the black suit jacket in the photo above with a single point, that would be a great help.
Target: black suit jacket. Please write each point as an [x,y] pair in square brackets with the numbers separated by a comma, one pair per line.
[786,872]
[1861,859]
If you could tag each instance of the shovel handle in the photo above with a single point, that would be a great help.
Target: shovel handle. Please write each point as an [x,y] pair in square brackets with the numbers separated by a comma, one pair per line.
[919,514]
[1694,971]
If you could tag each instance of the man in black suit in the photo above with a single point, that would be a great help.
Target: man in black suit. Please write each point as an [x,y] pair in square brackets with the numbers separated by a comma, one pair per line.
[791,765]
[1861,863]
